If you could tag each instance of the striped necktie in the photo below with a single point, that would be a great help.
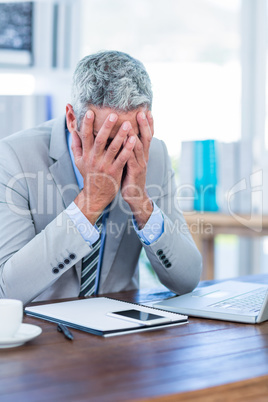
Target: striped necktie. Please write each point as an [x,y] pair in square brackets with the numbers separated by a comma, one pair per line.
[89,266]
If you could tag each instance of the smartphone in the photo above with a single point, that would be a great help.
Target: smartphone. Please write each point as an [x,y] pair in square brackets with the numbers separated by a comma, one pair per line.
[139,317]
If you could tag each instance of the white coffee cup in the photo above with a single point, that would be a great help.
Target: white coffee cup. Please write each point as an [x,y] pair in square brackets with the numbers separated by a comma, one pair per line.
[11,312]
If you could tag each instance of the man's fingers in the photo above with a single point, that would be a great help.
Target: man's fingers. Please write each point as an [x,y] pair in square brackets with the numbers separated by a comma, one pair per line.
[119,140]
[76,145]
[150,121]
[145,132]
[104,133]
[124,155]
[86,132]
[139,153]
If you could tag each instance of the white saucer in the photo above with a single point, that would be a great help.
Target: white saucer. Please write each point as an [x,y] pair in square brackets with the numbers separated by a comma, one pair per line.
[25,333]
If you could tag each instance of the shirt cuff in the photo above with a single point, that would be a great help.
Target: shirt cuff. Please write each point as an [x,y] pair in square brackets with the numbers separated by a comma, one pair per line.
[153,229]
[89,232]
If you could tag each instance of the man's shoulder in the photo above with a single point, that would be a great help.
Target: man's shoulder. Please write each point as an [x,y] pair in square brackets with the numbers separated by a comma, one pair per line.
[158,162]
[158,149]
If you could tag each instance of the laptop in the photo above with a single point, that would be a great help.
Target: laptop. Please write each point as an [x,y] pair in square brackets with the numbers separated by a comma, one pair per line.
[230,300]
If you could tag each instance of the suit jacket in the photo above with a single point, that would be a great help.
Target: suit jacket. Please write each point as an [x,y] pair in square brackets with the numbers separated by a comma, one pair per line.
[37,183]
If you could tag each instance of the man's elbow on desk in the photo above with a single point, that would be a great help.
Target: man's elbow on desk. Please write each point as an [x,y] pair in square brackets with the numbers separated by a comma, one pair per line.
[192,275]
[177,262]
[187,277]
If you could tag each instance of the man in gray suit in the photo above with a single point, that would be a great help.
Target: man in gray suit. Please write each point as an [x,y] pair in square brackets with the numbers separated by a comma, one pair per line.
[81,195]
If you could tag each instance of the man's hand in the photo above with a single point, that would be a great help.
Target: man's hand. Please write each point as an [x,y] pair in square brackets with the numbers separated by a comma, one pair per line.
[133,185]
[101,168]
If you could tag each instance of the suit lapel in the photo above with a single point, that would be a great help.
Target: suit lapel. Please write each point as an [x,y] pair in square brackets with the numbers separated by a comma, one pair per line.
[64,178]
[62,169]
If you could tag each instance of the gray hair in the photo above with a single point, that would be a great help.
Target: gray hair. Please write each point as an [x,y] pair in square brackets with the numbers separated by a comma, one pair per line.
[110,79]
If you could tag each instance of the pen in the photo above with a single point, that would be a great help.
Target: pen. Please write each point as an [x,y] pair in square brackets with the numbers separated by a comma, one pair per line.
[66,332]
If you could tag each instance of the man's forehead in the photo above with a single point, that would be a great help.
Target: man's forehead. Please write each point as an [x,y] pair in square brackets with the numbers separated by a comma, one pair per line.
[102,113]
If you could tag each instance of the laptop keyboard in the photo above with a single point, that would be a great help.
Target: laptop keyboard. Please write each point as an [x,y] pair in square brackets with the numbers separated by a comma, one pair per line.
[250,302]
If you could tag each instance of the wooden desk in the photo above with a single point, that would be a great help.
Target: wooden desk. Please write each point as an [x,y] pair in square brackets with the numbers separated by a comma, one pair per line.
[204,360]
[205,226]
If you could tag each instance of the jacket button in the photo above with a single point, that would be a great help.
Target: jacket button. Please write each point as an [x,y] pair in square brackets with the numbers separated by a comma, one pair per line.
[162,257]
[72,256]
[166,261]
[168,265]
[55,270]
[159,252]
[66,261]
[61,265]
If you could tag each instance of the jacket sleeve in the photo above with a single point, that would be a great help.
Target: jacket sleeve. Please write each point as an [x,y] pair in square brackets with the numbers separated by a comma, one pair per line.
[174,255]
[29,262]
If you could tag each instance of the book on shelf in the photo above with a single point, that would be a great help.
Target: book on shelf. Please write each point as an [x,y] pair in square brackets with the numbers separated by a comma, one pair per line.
[198,176]
[208,171]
